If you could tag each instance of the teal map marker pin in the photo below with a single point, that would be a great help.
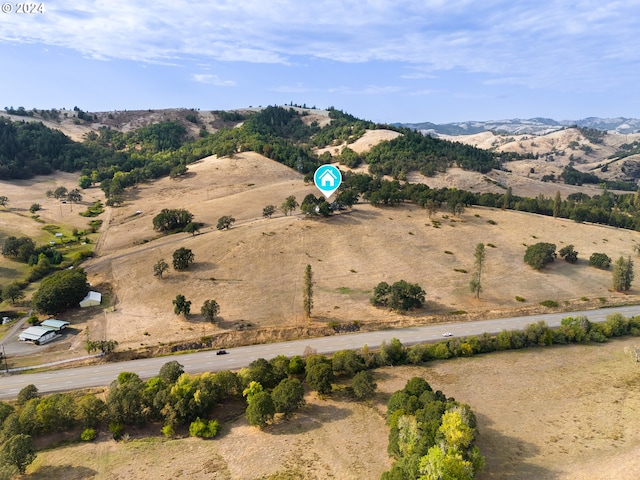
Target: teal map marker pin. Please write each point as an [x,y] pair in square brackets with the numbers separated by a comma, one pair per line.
[327,178]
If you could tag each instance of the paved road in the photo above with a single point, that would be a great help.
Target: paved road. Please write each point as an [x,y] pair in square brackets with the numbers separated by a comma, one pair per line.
[101,375]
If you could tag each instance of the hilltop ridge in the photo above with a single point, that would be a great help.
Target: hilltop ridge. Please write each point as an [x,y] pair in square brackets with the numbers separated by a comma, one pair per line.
[532,126]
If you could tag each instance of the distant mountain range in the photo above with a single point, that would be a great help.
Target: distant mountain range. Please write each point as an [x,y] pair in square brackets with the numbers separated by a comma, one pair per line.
[535,126]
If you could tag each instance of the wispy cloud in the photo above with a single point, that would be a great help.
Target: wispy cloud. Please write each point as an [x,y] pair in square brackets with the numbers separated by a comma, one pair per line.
[212,80]
[534,43]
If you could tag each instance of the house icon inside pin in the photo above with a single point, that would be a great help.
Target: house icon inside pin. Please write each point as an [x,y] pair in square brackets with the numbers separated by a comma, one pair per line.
[328,179]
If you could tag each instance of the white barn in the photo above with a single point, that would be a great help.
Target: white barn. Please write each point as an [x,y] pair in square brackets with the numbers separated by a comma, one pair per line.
[55,324]
[38,335]
[92,299]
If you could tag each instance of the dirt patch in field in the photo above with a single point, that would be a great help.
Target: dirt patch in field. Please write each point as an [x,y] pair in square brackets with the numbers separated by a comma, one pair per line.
[561,413]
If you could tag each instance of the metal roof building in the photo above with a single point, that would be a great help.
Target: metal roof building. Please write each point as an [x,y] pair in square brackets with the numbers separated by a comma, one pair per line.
[91,300]
[38,335]
[55,324]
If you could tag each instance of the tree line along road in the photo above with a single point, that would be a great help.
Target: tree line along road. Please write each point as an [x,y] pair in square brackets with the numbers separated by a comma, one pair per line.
[209,361]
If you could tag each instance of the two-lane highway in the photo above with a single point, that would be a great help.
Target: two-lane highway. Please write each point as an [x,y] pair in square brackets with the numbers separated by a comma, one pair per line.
[102,375]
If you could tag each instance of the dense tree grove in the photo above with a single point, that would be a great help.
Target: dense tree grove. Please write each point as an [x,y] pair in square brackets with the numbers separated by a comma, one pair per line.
[30,148]
[61,290]
[428,155]
[426,429]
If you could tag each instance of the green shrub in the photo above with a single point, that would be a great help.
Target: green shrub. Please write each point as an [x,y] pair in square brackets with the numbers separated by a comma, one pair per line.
[168,431]
[204,428]
[520,299]
[116,430]
[549,303]
[88,435]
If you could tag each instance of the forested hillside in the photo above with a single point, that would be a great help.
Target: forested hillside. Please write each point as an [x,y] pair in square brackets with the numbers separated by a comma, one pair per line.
[118,159]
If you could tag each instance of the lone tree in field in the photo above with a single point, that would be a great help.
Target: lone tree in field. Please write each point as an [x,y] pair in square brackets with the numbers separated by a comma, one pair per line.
[60,192]
[74,196]
[600,260]
[569,254]
[289,205]
[159,268]
[538,255]
[400,296]
[192,228]
[182,258]
[476,282]
[181,305]
[307,293]
[4,201]
[172,219]
[268,211]
[622,274]
[210,310]
[12,292]
[225,222]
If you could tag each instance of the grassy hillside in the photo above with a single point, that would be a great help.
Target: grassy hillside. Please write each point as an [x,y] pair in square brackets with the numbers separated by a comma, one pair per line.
[255,269]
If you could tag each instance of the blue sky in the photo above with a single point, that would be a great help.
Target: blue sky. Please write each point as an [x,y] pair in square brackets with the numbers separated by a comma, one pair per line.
[383,60]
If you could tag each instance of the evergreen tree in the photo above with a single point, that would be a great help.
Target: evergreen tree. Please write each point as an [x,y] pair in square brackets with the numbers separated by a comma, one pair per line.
[476,282]
[308,291]
[622,274]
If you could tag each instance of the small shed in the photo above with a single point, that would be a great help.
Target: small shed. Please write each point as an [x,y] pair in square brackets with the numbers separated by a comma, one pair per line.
[57,325]
[38,335]
[91,300]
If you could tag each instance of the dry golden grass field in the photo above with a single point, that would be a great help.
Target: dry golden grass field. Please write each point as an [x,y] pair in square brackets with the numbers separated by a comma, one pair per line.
[255,269]
[559,413]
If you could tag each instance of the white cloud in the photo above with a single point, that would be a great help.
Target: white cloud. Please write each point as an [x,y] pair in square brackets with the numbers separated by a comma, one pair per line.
[212,80]
[535,43]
